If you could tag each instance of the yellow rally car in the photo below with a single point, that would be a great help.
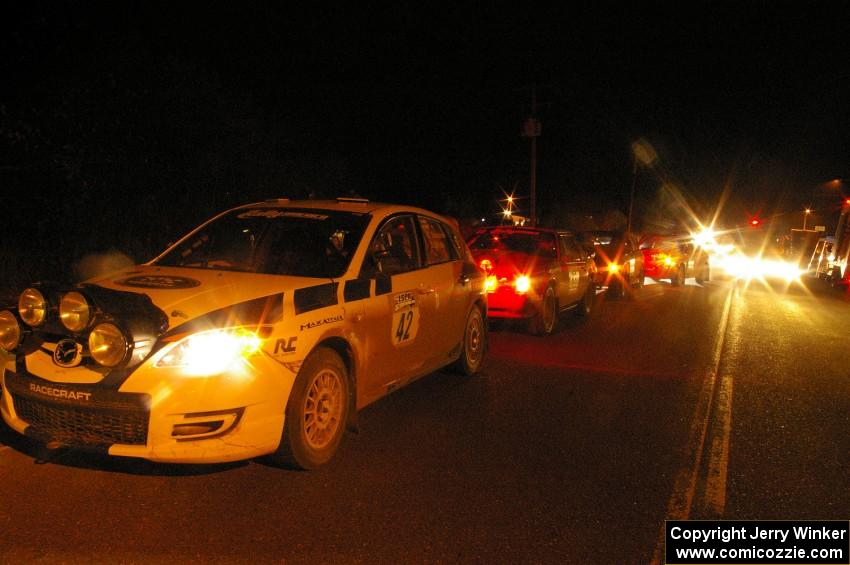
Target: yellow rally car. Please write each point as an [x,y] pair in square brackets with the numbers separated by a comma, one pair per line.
[262,332]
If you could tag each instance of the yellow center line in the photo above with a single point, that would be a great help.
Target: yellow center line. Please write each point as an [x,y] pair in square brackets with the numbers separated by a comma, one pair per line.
[684,487]
[714,500]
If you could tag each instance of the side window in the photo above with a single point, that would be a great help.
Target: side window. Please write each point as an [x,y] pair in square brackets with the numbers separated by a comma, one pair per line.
[569,248]
[546,246]
[393,249]
[458,245]
[438,247]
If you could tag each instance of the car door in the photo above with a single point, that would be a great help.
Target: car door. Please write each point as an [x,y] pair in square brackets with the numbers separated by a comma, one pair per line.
[629,260]
[574,269]
[399,316]
[638,259]
[450,289]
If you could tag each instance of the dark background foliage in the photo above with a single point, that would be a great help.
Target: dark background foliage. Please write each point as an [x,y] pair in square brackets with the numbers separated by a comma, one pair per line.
[122,125]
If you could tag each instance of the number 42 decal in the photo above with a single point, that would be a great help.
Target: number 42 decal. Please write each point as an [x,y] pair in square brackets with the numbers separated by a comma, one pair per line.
[405,319]
[402,333]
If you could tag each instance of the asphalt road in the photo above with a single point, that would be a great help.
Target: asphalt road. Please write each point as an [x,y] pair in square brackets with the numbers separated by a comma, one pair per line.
[712,401]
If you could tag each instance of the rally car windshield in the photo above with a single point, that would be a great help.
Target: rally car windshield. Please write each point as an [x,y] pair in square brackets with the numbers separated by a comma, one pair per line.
[529,243]
[274,241]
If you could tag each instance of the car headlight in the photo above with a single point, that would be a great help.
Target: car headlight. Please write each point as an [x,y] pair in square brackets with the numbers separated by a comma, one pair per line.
[522,283]
[211,352]
[10,331]
[613,268]
[32,307]
[108,345]
[74,311]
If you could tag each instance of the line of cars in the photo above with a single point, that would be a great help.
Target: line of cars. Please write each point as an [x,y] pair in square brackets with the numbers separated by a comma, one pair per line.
[535,274]
[263,331]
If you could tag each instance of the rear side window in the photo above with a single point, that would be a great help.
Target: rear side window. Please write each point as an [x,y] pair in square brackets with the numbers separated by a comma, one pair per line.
[438,247]
[570,250]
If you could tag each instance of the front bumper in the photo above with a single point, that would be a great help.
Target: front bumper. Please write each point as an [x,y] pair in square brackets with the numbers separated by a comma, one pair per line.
[153,416]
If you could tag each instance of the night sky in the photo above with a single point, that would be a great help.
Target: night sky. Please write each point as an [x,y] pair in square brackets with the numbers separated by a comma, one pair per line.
[125,123]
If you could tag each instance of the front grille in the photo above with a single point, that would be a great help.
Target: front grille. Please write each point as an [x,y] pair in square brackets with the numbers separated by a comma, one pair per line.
[77,425]
[78,414]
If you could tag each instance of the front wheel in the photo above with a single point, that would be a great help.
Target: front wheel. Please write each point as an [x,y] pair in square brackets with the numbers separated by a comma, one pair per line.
[474,344]
[316,412]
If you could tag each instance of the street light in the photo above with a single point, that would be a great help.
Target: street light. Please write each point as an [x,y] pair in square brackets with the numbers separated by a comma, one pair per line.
[806,217]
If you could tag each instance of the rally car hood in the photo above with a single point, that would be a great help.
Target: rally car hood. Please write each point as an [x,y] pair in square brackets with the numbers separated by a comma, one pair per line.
[185,294]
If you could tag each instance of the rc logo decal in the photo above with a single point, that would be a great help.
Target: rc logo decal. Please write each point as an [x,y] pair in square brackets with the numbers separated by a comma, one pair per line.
[285,346]
[68,353]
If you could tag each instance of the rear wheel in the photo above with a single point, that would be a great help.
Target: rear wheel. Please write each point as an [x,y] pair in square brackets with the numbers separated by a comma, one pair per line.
[316,412]
[703,274]
[639,282]
[474,344]
[545,319]
[678,278]
[616,289]
[585,305]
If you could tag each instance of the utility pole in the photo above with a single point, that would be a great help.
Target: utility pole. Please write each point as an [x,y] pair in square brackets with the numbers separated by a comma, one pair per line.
[531,129]
[632,197]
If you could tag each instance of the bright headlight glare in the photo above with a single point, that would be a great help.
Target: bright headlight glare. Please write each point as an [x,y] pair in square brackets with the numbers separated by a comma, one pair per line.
[613,268]
[522,283]
[705,238]
[743,267]
[490,284]
[107,345]
[10,331]
[74,311]
[32,307]
[211,352]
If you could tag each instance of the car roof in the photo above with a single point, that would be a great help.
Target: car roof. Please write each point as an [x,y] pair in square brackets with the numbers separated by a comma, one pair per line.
[353,205]
[528,229]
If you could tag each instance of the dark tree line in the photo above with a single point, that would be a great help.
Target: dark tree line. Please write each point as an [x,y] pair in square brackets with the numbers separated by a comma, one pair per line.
[129,159]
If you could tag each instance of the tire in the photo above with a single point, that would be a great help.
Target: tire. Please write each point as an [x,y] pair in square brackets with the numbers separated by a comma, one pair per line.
[585,305]
[545,320]
[679,278]
[703,274]
[639,283]
[616,289]
[316,412]
[474,344]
